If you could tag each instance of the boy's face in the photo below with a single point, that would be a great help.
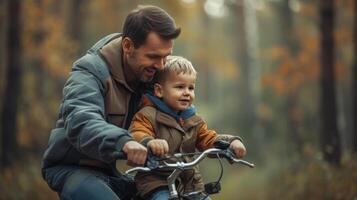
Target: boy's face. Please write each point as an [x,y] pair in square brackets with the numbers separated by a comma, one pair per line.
[177,91]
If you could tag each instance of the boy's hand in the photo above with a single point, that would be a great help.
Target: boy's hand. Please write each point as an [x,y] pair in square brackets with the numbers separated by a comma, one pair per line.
[158,146]
[238,147]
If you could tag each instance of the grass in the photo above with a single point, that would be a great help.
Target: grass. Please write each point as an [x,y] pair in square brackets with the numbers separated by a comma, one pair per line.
[310,179]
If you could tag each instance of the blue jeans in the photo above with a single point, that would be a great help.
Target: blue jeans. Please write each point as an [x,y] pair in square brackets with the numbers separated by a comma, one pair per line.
[164,195]
[160,195]
[77,182]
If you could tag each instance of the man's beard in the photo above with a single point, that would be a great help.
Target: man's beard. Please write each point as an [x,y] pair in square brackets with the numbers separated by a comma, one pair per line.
[144,80]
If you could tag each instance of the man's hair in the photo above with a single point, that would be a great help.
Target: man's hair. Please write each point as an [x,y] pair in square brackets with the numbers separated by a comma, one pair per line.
[174,64]
[145,19]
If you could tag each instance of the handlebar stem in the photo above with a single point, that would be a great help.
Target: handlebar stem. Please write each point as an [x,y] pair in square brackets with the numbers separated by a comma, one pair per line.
[171,183]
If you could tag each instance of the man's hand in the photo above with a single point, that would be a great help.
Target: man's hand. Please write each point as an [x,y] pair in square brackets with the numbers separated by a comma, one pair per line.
[158,146]
[135,152]
[238,148]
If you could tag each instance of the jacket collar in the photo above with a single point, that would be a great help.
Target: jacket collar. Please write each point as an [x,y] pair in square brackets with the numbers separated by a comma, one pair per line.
[112,54]
[164,108]
[181,121]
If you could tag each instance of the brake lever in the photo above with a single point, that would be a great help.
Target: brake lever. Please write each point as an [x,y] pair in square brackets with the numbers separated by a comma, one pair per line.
[152,161]
[229,155]
[227,152]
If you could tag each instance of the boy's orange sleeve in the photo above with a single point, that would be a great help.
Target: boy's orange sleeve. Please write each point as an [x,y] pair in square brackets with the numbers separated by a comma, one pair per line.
[141,129]
[205,137]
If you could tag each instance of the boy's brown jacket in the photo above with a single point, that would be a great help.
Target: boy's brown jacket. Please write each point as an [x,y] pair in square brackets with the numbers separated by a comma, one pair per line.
[185,137]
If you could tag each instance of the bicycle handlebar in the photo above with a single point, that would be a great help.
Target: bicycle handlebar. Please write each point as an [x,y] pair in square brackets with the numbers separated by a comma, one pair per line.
[183,165]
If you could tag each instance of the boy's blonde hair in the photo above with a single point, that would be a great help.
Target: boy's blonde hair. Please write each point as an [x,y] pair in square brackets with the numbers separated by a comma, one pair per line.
[175,64]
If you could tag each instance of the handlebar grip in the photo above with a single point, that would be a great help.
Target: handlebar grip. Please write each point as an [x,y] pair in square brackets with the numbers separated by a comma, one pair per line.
[152,161]
[120,155]
[220,144]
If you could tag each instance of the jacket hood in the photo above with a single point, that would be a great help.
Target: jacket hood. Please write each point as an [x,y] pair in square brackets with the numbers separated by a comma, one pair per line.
[93,62]
[106,52]
[112,53]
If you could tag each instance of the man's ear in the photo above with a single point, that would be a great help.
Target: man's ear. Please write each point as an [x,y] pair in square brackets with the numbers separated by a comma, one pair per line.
[128,45]
[158,90]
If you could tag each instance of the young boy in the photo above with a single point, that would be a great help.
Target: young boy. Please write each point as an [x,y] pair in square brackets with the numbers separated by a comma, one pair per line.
[168,124]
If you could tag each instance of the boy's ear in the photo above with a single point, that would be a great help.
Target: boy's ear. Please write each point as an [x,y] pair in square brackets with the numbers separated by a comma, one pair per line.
[158,90]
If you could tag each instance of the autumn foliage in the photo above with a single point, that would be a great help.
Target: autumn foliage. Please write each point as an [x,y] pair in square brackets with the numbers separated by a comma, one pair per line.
[284,87]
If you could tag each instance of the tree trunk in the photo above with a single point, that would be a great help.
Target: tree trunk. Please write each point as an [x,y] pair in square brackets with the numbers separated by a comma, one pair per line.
[288,41]
[12,90]
[74,21]
[2,47]
[244,56]
[354,82]
[330,139]
[208,87]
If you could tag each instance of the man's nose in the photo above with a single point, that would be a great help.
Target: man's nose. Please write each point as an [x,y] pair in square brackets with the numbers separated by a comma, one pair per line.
[160,64]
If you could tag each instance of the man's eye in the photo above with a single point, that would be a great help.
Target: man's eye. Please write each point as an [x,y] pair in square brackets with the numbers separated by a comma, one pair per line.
[151,56]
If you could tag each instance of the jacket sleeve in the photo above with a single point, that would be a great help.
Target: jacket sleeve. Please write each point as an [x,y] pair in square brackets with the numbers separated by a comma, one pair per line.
[142,129]
[207,137]
[84,119]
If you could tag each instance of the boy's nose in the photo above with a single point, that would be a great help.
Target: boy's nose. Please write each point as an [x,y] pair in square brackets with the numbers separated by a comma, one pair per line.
[186,91]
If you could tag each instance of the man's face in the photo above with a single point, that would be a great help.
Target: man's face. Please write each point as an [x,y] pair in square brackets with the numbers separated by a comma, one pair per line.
[177,91]
[149,57]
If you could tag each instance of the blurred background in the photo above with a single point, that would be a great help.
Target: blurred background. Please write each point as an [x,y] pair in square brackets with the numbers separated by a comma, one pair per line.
[280,73]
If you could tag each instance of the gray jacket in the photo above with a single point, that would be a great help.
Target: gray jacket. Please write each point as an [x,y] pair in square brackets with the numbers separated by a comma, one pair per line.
[96,109]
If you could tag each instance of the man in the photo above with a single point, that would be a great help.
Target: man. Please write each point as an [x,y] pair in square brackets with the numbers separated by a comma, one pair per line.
[100,98]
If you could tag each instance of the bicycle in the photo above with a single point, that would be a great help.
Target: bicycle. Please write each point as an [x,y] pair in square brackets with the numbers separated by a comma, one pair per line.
[220,149]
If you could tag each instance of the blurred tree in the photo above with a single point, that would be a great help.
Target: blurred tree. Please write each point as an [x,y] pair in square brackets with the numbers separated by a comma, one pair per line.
[39,35]
[206,80]
[289,43]
[75,21]
[354,80]
[294,81]
[2,46]
[48,53]
[247,105]
[12,88]
[330,139]
[39,73]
